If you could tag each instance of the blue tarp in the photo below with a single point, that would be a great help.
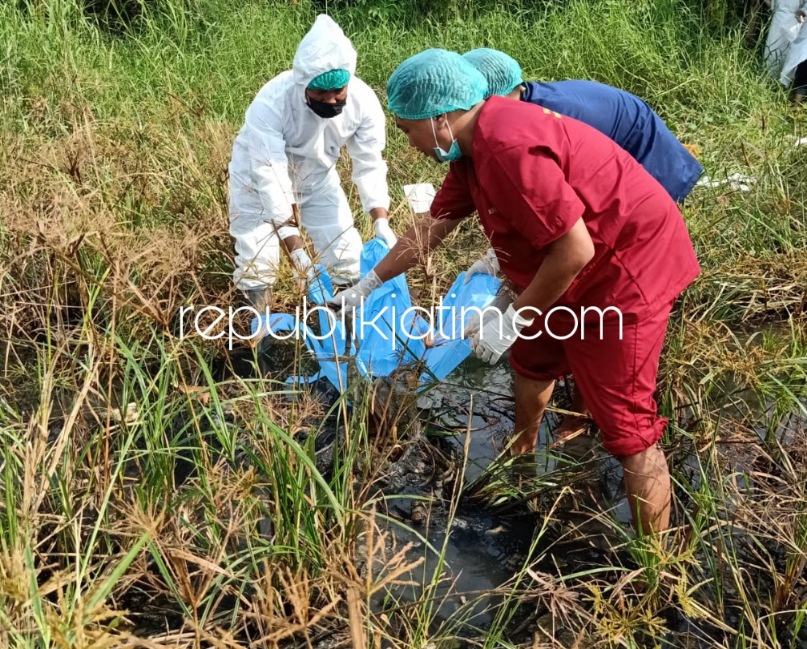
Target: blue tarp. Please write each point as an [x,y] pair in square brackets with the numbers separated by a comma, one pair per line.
[388,332]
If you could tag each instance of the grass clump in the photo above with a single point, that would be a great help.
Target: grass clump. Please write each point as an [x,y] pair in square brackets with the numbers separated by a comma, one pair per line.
[144,494]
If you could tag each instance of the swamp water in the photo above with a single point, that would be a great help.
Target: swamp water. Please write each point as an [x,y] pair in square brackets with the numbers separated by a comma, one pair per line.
[470,551]
[434,497]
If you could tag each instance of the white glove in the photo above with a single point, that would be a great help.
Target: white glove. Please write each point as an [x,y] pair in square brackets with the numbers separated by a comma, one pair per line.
[488,265]
[302,265]
[350,299]
[497,332]
[384,231]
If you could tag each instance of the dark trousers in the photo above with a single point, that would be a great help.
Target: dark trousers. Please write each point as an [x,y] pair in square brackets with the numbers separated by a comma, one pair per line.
[800,80]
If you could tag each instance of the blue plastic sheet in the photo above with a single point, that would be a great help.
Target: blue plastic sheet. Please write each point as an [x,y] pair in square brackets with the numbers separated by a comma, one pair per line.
[450,349]
[389,331]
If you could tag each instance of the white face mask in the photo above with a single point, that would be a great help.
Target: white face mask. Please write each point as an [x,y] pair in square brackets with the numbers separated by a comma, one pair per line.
[454,153]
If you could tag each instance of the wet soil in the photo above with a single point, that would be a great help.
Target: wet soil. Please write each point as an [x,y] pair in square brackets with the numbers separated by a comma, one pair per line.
[429,494]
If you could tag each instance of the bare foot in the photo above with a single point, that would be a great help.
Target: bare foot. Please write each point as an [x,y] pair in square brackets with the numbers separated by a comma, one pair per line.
[570,427]
[522,447]
[524,468]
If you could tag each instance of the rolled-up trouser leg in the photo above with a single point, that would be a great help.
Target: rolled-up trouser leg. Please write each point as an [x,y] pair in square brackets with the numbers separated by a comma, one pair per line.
[326,217]
[257,248]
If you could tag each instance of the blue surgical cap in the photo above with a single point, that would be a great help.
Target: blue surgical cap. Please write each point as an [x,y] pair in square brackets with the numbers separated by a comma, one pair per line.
[330,80]
[432,83]
[502,72]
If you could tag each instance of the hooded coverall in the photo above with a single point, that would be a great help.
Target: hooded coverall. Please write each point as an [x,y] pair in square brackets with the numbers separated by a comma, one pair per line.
[786,45]
[285,154]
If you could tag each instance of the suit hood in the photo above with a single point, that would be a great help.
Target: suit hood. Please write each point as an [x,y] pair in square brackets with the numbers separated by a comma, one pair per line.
[325,47]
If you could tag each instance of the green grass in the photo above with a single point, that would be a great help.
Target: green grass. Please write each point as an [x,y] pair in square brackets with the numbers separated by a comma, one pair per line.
[113,153]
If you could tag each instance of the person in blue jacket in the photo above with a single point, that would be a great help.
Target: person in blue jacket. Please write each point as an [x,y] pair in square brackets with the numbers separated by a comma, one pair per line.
[623,117]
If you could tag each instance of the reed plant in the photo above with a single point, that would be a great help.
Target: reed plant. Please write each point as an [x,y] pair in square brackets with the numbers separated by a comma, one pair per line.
[148,498]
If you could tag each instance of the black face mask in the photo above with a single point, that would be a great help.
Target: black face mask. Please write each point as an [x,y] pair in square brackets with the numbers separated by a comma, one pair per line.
[324,109]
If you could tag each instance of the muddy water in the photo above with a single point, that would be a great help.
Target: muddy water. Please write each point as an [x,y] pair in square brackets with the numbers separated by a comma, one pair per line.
[470,553]
[475,553]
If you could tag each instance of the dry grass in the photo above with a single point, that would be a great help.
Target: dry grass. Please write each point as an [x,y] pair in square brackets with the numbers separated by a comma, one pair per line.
[114,218]
[103,242]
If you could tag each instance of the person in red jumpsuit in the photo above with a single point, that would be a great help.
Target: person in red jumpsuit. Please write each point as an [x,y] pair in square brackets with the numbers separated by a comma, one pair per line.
[596,247]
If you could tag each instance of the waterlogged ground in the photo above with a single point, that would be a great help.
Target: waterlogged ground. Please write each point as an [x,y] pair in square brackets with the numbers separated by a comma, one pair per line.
[480,551]
[476,552]
[481,530]
[526,551]
[473,555]
[144,491]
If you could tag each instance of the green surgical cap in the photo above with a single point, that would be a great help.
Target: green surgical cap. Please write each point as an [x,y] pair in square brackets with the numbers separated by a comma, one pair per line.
[432,83]
[330,80]
[503,73]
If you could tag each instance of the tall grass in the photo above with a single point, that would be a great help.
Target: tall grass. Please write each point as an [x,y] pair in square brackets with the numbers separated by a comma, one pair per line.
[143,495]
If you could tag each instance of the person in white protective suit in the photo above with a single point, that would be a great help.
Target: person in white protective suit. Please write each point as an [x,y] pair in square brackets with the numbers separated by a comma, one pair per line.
[283,167]
[786,46]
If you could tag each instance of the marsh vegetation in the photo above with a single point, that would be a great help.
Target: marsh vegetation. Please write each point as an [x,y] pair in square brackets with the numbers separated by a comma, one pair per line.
[151,495]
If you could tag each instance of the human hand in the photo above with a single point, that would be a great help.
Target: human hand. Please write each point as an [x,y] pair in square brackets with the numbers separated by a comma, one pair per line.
[496,332]
[349,299]
[488,265]
[384,231]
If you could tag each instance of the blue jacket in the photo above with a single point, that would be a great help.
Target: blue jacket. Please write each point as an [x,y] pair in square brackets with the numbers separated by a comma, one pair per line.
[629,122]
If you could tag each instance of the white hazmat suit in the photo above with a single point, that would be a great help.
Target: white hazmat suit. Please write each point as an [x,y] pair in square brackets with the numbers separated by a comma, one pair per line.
[786,45]
[286,154]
